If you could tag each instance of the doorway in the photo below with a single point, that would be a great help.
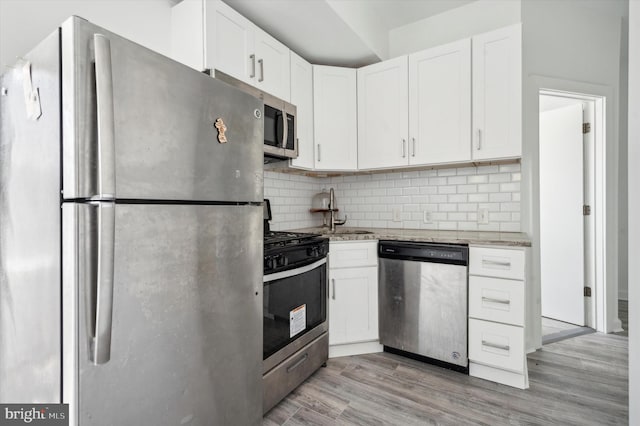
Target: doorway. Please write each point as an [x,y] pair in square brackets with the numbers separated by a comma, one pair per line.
[567,141]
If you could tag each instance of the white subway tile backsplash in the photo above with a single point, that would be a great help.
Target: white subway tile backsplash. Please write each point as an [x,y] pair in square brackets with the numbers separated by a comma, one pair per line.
[465,171]
[489,187]
[509,168]
[446,189]
[428,173]
[452,195]
[478,198]
[510,187]
[477,179]
[500,196]
[457,198]
[457,180]
[500,177]
[447,172]
[438,181]
[467,189]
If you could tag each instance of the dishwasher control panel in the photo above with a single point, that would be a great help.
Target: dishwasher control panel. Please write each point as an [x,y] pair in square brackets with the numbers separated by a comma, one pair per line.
[424,252]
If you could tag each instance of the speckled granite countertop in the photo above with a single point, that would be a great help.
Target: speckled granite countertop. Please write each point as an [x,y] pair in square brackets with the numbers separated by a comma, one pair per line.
[517,239]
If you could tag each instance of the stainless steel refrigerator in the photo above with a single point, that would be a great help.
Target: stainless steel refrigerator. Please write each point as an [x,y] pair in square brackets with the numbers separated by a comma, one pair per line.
[130,236]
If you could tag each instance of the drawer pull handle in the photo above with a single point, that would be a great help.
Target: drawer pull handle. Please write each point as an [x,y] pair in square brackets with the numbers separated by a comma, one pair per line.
[495,346]
[298,363]
[496,263]
[492,300]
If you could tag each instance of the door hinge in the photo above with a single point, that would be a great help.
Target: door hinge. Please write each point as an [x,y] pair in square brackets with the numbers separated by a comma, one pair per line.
[586,128]
[586,210]
[587,292]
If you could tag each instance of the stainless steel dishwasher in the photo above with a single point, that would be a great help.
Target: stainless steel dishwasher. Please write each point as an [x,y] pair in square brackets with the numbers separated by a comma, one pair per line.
[423,301]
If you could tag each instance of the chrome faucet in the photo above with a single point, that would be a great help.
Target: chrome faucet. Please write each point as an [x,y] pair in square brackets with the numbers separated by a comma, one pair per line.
[332,210]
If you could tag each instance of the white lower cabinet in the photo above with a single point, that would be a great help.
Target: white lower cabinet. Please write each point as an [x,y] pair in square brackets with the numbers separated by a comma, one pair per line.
[497,315]
[353,298]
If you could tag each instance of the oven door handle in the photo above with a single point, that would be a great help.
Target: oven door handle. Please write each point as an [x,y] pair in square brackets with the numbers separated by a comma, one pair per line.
[293,272]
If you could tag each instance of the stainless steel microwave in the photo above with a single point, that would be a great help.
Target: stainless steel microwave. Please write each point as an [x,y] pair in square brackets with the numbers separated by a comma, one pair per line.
[280,127]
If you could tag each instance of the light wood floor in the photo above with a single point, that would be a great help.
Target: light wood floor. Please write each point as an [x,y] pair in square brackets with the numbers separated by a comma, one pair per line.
[578,381]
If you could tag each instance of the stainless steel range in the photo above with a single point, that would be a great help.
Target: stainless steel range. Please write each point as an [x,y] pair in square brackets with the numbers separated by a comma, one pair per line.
[295,300]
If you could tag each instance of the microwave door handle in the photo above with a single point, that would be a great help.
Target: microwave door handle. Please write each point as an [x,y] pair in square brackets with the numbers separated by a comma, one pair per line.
[285,129]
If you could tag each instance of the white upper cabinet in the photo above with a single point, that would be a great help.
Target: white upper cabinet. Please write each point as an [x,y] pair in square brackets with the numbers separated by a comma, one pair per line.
[187,33]
[334,127]
[497,94]
[229,42]
[272,65]
[440,104]
[382,114]
[210,34]
[302,98]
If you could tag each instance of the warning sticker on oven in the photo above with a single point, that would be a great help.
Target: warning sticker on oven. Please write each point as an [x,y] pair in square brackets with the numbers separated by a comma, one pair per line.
[297,320]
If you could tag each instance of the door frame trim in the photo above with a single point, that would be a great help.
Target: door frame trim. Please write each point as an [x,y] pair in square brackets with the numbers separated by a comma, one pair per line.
[591,311]
[607,199]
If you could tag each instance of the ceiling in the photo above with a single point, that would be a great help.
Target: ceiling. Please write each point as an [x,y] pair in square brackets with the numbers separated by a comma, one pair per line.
[338,32]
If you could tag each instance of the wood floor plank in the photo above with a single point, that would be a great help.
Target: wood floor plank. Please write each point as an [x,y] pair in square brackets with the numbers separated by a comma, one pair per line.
[578,381]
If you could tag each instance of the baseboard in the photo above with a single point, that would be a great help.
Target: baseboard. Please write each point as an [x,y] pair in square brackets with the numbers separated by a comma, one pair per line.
[350,349]
[617,326]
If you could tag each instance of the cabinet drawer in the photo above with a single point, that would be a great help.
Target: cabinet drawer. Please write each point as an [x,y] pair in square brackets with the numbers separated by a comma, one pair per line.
[501,263]
[496,345]
[350,254]
[496,299]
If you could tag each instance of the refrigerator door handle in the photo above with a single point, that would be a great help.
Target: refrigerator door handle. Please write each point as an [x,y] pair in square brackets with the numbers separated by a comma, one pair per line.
[106,178]
[100,352]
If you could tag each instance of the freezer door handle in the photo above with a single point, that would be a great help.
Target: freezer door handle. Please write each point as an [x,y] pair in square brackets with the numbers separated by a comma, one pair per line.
[100,352]
[106,178]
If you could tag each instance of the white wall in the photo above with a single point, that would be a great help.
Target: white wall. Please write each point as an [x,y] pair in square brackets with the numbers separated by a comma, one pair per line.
[634,207]
[574,41]
[362,18]
[24,23]
[475,18]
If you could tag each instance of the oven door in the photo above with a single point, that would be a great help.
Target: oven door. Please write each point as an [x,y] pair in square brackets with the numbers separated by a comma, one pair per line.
[294,310]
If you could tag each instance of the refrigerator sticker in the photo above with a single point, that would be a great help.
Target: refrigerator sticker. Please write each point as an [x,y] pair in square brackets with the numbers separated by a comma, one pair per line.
[297,320]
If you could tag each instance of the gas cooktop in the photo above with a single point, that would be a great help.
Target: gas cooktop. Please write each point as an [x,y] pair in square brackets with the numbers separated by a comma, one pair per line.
[284,238]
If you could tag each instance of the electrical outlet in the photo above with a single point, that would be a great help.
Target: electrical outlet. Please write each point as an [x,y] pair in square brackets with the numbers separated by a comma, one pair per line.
[427,216]
[397,214]
[483,216]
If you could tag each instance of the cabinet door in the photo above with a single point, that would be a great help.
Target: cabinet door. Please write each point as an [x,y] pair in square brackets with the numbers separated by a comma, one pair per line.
[353,305]
[187,34]
[272,65]
[497,94]
[382,114]
[334,127]
[229,44]
[302,98]
[440,104]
